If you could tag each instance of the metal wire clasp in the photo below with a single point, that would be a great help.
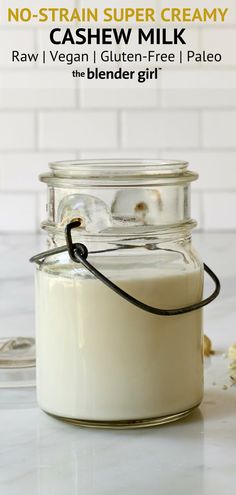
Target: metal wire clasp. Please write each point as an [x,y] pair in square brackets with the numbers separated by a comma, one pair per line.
[78,253]
[74,248]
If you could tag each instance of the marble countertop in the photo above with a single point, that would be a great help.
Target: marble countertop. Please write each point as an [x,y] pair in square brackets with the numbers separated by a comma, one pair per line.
[43,456]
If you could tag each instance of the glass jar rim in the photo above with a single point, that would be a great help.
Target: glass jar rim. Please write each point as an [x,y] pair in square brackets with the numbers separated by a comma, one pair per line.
[116,170]
[116,166]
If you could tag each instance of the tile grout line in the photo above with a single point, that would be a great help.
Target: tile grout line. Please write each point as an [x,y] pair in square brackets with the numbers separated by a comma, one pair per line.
[36,131]
[119,117]
[202,211]
[37,209]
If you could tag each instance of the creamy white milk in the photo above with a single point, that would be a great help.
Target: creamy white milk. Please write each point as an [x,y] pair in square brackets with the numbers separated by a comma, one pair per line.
[101,358]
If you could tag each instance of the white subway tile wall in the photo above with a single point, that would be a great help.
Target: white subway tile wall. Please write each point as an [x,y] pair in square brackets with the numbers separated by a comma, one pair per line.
[188,113]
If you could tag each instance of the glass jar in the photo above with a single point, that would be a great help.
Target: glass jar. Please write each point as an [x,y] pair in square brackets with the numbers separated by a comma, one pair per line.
[104,359]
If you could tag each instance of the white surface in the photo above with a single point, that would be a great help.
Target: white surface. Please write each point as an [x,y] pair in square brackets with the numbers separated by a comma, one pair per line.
[25,206]
[224,219]
[158,129]
[214,125]
[17,131]
[30,165]
[90,129]
[43,456]
[48,89]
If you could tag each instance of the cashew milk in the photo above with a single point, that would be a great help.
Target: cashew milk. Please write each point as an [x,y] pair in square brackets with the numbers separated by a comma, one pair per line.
[101,358]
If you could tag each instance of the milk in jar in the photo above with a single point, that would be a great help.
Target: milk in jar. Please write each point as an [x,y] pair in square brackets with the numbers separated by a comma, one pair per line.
[101,360]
